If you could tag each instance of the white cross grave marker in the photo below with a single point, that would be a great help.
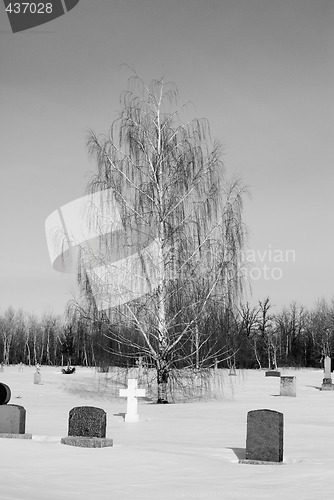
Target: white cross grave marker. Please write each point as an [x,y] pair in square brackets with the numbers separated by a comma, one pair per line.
[132,393]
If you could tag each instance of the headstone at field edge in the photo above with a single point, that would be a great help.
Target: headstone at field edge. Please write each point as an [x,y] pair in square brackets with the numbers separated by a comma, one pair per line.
[288,386]
[12,417]
[327,368]
[272,373]
[264,442]
[87,428]
[327,384]
[132,393]
[37,375]
[139,363]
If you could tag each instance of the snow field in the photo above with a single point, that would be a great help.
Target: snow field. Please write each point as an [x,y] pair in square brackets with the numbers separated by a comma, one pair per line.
[176,451]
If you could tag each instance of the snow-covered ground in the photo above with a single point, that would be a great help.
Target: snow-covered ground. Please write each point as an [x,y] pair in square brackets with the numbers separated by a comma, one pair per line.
[176,451]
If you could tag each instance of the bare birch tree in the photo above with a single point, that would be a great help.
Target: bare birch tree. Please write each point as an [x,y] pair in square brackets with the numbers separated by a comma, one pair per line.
[269,332]
[169,184]
[249,324]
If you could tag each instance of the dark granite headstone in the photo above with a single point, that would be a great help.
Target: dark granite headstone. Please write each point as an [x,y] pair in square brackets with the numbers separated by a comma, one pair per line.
[5,394]
[87,428]
[87,421]
[264,436]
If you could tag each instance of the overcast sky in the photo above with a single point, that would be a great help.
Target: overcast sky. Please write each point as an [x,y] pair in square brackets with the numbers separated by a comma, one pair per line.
[261,72]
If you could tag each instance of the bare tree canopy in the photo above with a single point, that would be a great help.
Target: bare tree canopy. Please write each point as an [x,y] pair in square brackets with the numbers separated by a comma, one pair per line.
[181,238]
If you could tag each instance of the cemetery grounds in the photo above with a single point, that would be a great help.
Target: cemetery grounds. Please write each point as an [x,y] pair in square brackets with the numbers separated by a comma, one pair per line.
[183,450]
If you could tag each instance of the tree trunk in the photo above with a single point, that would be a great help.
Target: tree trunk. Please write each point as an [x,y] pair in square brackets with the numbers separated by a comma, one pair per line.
[6,349]
[162,366]
[48,360]
[35,351]
[163,376]
[232,365]
[85,357]
[196,346]
[275,358]
[256,354]
[28,358]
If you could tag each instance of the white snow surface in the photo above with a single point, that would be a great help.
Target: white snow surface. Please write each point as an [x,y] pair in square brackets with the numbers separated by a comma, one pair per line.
[175,451]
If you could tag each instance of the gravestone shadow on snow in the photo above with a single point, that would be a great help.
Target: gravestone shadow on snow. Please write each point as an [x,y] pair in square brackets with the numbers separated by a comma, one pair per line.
[240,453]
[91,388]
[85,389]
[119,415]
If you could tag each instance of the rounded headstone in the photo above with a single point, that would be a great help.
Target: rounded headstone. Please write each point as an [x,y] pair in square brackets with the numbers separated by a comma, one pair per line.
[5,394]
[87,421]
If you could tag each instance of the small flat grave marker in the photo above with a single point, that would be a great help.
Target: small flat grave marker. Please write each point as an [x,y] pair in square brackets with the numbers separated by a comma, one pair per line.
[272,373]
[132,393]
[288,386]
[264,442]
[87,428]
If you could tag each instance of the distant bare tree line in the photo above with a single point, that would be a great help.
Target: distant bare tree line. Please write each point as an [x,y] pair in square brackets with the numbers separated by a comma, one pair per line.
[47,340]
[253,337]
